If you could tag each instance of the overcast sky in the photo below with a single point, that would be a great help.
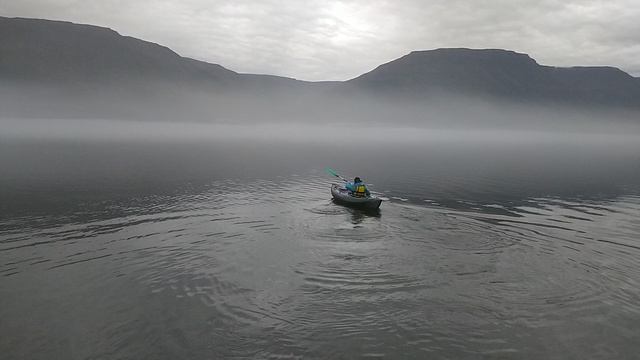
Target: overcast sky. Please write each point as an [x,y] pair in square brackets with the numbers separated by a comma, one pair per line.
[337,40]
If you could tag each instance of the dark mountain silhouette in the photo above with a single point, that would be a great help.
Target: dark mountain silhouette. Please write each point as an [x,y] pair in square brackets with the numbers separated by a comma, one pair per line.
[59,69]
[43,50]
[499,73]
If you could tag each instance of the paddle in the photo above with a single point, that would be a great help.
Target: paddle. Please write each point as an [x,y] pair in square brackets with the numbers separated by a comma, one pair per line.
[331,172]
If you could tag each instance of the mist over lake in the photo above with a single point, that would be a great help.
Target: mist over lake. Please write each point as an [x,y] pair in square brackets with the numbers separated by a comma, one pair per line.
[222,241]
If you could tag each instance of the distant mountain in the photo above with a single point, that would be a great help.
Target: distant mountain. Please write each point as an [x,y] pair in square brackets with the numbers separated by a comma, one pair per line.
[61,69]
[43,50]
[499,73]
[57,52]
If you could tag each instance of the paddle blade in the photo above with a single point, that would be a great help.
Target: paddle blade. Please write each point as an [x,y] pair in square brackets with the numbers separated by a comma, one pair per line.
[331,172]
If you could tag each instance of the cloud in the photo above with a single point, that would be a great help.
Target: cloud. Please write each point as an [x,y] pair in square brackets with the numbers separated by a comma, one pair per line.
[337,40]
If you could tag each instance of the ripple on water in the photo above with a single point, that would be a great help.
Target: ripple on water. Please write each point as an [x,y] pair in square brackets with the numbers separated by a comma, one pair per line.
[288,271]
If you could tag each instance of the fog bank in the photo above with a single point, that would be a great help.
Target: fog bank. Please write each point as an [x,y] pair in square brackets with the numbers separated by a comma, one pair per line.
[95,130]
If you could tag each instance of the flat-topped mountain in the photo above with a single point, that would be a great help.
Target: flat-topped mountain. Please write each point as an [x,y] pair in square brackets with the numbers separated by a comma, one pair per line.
[499,73]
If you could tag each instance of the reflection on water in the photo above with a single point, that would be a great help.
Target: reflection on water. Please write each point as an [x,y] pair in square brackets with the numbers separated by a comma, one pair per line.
[244,257]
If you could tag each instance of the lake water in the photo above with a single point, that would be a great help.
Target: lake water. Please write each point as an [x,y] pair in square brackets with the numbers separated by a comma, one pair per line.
[513,246]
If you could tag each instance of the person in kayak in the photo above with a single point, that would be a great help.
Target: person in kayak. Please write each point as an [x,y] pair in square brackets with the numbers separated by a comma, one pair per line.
[357,188]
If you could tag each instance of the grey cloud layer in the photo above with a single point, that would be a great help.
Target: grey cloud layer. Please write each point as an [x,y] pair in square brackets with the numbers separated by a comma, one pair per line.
[336,40]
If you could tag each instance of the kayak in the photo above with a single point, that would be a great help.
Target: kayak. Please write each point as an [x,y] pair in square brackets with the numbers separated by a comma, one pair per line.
[343,196]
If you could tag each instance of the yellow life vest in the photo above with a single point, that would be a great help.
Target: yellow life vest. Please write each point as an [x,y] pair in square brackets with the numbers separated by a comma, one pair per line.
[361,191]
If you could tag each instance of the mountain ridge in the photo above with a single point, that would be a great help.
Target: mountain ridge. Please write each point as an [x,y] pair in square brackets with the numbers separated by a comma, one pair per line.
[89,61]
[502,73]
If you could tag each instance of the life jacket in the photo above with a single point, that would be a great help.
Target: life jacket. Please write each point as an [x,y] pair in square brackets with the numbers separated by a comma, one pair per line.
[361,190]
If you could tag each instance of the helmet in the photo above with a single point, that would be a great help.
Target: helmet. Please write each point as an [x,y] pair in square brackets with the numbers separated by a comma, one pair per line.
[357,180]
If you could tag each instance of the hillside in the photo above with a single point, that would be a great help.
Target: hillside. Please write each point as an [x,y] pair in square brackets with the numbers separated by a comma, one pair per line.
[61,69]
[499,73]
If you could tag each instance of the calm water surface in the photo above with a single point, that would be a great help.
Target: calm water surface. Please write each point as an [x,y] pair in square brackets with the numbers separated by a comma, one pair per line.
[113,250]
